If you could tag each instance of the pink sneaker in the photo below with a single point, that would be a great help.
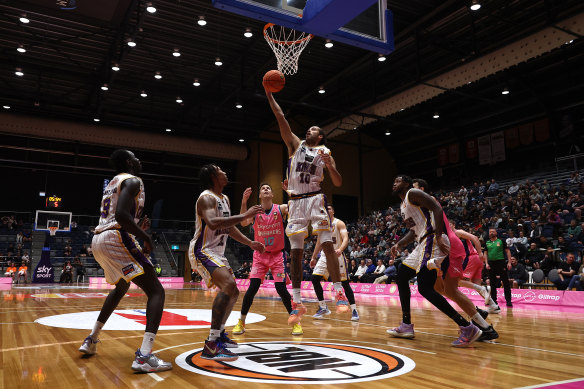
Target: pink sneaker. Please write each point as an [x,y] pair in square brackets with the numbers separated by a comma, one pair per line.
[342,303]
[403,331]
[297,311]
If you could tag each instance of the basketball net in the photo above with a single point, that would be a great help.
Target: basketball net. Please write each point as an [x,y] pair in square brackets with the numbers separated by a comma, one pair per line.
[53,230]
[287,44]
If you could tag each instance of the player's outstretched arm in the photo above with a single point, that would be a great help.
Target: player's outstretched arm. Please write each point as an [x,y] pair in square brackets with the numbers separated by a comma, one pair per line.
[422,199]
[206,210]
[243,208]
[238,236]
[403,242]
[291,140]
[128,192]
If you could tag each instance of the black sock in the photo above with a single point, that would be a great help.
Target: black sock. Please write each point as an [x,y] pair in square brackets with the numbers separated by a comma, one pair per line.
[254,286]
[348,292]
[317,287]
[284,295]
[404,274]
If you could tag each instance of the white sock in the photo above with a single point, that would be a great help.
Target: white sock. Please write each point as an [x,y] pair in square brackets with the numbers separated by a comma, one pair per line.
[322,304]
[296,295]
[353,306]
[147,343]
[479,288]
[242,317]
[96,330]
[338,287]
[214,334]
[480,321]
[222,328]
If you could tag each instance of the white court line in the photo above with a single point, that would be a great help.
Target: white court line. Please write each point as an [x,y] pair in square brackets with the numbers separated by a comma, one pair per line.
[552,384]
[156,377]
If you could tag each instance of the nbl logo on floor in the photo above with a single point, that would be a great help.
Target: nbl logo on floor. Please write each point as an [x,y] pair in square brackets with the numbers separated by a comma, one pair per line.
[301,363]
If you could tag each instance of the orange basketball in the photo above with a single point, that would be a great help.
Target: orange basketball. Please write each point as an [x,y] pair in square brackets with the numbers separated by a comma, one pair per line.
[274,81]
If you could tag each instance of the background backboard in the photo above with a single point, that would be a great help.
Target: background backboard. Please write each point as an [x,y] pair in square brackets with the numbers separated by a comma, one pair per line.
[45,219]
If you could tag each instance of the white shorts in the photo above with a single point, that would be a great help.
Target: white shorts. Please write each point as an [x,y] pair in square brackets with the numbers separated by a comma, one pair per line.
[321,268]
[308,211]
[206,261]
[119,254]
[426,250]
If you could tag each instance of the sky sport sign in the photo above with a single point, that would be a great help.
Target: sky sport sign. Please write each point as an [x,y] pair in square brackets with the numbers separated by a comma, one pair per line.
[301,363]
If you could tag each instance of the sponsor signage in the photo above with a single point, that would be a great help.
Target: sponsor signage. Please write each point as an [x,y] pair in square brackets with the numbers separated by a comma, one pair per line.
[44,272]
[301,363]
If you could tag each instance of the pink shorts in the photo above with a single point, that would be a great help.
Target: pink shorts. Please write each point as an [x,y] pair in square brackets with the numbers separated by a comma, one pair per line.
[268,261]
[473,268]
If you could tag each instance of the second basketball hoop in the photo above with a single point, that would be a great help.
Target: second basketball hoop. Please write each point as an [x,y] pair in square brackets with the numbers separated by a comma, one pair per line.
[287,45]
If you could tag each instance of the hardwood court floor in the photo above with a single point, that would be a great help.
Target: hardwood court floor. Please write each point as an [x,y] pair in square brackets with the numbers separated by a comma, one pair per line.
[536,347]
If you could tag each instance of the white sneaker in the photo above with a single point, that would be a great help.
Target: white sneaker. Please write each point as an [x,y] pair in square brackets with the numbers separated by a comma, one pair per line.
[89,346]
[494,309]
[487,295]
[149,363]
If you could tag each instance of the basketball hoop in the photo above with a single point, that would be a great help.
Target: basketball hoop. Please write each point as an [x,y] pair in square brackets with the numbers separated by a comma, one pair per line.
[53,230]
[287,45]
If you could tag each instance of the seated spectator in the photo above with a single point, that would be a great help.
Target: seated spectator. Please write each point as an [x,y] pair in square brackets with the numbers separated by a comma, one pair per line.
[513,189]
[567,270]
[79,269]
[83,251]
[493,188]
[517,274]
[548,262]
[19,237]
[67,274]
[360,272]
[573,231]
[352,268]
[577,280]
[11,271]
[388,275]
[158,270]
[377,272]
[25,258]
[533,256]
[306,270]
[22,273]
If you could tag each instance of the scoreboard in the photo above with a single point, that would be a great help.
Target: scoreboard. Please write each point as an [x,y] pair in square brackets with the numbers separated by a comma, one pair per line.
[53,202]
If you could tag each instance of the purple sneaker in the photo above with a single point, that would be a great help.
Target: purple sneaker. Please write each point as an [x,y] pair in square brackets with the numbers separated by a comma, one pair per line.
[467,336]
[403,331]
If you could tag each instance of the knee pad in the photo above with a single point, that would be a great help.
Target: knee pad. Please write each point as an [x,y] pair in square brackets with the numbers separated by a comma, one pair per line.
[297,241]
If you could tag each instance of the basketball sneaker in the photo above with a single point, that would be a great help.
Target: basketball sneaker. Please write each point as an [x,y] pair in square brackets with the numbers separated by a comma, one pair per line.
[487,294]
[482,312]
[355,315]
[403,331]
[89,346]
[494,309]
[321,313]
[239,328]
[467,335]
[342,303]
[297,329]
[149,363]
[488,334]
[229,343]
[216,351]
[297,311]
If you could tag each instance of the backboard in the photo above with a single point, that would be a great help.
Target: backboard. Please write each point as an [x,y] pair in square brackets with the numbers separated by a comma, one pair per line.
[363,23]
[46,219]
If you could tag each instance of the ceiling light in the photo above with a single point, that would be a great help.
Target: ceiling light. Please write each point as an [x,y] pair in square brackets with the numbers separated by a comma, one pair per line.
[115,67]
[104,87]
[387,133]
[143,94]
[218,61]
[241,140]
[21,49]
[248,33]
[505,91]
[436,116]
[238,105]
[157,75]
[150,8]
[24,19]
[6,106]
[381,58]
[202,21]
[570,41]
[168,130]
[130,42]
[196,82]
[403,109]
[19,72]
[475,5]
[321,90]
[328,44]
[178,99]
[96,120]
[176,53]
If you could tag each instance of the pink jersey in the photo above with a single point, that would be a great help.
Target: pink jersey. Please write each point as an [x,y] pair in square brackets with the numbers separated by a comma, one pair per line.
[269,229]
[457,251]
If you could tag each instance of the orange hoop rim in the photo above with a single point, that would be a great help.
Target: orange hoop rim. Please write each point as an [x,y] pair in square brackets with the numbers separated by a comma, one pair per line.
[296,42]
[53,230]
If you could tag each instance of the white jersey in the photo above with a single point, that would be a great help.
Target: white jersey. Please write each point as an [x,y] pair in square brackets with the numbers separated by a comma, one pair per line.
[109,202]
[206,238]
[305,169]
[337,238]
[418,219]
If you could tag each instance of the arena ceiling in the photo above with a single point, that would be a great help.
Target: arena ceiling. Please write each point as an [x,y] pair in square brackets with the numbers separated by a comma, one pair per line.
[70,54]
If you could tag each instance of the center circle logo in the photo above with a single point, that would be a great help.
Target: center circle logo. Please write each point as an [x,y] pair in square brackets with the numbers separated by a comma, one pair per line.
[301,363]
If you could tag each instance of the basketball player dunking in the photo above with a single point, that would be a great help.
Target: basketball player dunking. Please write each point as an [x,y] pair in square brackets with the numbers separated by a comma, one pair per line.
[214,224]
[424,217]
[268,228]
[340,242]
[307,205]
[116,250]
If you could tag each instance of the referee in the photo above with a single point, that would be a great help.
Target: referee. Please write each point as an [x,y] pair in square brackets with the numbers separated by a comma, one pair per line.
[496,251]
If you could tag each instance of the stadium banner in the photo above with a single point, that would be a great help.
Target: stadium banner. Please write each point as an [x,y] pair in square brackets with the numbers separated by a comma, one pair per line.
[454,153]
[442,156]
[98,282]
[512,138]
[498,146]
[526,134]
[541,128]
[484,143]
[471,148]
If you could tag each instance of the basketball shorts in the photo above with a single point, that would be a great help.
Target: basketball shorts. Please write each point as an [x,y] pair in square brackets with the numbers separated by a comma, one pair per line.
[262,262]
[308,211]
[9,274]
[426,250]
[119,254]
[321,268]
[206,261]
[472,267]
